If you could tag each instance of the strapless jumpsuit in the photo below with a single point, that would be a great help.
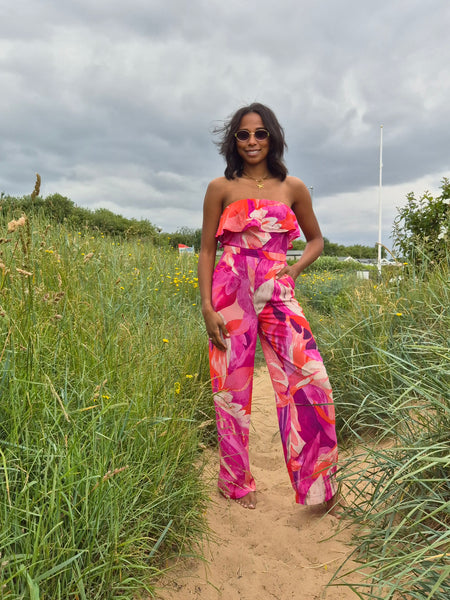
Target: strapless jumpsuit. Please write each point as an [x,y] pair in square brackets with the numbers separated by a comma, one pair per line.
[255,235]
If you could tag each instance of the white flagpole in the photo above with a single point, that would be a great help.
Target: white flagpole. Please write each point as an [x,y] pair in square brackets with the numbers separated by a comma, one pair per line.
[379,200]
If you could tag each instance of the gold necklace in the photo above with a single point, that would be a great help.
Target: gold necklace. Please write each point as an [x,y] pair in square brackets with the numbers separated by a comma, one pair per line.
[259,181]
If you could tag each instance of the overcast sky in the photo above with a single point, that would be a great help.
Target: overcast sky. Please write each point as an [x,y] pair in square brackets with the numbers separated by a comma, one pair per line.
[113,102]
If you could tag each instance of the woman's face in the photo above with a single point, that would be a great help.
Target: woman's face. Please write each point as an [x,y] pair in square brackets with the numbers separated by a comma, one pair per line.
[252,151]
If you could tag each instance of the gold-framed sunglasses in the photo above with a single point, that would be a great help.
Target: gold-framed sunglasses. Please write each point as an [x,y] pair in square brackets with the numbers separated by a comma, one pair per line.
[243,135]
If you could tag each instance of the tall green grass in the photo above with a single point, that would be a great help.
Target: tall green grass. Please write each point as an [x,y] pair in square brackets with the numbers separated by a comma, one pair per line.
[388,340]
[105,401]
[389,362]
[102,412]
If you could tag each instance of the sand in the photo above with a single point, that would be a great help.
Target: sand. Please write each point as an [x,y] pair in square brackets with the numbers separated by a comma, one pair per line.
[280,550]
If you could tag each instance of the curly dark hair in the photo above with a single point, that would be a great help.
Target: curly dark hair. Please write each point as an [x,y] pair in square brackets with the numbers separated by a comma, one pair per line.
[277,143]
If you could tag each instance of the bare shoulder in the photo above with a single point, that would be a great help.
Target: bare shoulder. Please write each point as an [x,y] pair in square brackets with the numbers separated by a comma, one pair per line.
[299,195]
[217,185]
[297,188]
[216,191]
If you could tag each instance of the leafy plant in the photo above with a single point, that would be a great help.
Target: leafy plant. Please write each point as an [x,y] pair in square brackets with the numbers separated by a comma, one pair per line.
[60,209]
[184,235]
[422,227]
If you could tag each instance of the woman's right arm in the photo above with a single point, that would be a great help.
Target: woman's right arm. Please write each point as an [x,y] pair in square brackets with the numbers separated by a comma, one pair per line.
[212,210]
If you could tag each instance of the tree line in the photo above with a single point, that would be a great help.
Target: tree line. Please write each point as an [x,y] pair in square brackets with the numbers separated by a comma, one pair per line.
[192,237]
[421,228]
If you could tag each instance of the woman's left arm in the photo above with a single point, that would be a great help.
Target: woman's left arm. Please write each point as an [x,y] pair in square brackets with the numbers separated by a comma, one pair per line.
[303,210]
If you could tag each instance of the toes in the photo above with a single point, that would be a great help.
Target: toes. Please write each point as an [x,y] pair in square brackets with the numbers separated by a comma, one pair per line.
[246,502]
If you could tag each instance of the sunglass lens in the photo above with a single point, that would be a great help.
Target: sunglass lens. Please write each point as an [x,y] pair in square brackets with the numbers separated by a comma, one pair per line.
[242,135]
[261,134]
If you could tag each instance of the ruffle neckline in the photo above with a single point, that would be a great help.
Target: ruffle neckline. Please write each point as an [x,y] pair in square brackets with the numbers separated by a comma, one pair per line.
[270,216]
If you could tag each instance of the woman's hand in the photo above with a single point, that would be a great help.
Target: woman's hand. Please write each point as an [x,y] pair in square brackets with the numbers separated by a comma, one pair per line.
[216,329]
[290,270]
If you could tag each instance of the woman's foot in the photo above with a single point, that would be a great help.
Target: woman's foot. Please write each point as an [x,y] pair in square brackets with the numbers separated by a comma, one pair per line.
[336,506]
[247,501]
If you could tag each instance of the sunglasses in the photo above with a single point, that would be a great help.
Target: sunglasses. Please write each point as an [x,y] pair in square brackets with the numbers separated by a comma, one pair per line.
[243,135]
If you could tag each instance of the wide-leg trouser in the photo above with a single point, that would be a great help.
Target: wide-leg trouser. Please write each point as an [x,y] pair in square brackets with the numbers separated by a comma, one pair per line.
[253,302]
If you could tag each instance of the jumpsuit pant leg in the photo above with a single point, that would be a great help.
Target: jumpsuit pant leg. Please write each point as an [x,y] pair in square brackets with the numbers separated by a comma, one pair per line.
[303,392]
[232,373]
[251,302]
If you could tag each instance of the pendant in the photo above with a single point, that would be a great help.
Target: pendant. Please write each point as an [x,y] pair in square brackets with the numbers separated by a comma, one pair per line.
[259,182]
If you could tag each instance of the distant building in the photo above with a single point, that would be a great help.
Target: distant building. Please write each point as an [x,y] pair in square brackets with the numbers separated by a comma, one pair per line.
[294,254]
[183,249]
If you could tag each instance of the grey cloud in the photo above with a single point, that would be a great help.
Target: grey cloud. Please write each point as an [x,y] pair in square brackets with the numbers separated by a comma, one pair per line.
[115,102]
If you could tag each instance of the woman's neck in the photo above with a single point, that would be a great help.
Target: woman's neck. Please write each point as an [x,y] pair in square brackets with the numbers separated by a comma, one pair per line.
[259,180]
[256,171]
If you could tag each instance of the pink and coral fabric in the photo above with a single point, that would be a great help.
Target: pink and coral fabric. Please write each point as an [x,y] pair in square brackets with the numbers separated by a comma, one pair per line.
[255,235]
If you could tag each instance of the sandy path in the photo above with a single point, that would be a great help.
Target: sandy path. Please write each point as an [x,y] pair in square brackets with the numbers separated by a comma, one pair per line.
[278,551]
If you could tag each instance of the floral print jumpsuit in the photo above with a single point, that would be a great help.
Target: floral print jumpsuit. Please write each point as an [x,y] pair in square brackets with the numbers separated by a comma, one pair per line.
[255,234]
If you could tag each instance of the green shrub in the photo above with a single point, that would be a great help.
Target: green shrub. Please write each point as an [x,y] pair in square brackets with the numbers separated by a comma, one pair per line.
[331,263]
[422,227]
[60,209]
[184,235]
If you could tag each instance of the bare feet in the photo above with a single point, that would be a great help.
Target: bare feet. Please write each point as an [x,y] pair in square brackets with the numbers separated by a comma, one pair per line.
[336,506]
[247,501]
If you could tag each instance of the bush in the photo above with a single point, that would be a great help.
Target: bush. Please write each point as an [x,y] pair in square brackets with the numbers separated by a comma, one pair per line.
[185,235]
[421,229]
[331,263]
[62,210]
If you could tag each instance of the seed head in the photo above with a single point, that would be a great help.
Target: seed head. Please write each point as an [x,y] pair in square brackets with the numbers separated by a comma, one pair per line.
[14,225]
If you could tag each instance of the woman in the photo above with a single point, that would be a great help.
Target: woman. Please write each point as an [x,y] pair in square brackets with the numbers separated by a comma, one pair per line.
[254,211]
